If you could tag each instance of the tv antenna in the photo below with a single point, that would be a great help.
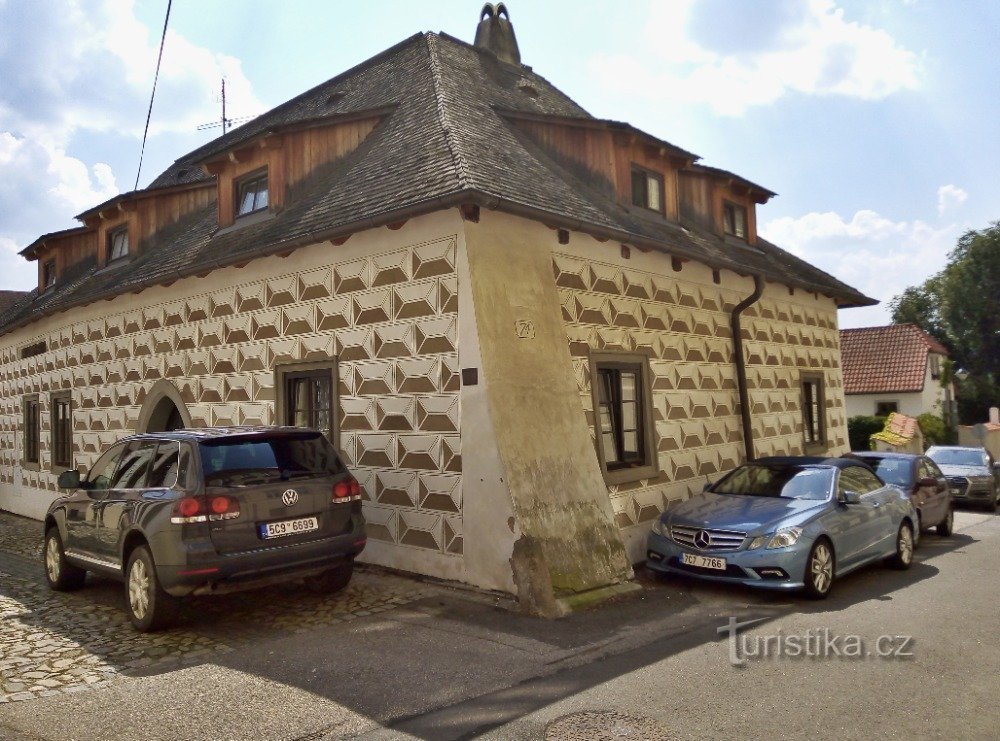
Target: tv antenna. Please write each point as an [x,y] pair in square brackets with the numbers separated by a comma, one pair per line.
[224,122]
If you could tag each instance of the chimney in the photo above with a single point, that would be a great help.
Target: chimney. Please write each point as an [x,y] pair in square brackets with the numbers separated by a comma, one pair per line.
[496,34]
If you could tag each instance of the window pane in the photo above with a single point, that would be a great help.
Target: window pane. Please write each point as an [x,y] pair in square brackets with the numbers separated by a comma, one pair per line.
[131,473]
[102,471]
[629,416]
[163,472]
[246,203]
[261,195]
[119,244]
[638,188]
[739,222]
[653,194]
[628,386]
[631,446]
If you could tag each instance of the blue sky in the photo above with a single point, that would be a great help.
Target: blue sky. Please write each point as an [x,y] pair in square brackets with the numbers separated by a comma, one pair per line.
[874,121]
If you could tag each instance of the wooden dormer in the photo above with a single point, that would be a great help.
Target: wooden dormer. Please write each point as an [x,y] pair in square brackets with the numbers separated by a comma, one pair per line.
[608,154]
[57,252]
[277,160]
[721,202]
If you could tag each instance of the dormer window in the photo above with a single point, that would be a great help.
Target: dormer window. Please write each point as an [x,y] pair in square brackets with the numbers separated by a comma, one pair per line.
[48,274]
[647,189]
[251,194]
[118,243]
[734,220]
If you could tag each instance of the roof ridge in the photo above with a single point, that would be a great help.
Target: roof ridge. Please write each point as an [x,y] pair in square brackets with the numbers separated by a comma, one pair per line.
[444,117]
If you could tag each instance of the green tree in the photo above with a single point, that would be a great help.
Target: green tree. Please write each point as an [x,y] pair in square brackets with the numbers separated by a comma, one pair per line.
[958,306]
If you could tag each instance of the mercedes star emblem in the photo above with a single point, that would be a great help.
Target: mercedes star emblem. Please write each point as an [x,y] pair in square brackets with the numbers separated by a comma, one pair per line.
[702,539]
[290,497]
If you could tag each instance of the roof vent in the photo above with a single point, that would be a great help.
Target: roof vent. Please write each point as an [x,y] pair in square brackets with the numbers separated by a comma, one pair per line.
[496,34]
[527,88]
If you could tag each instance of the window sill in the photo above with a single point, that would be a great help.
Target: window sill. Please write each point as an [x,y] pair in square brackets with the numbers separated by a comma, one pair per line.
[619,476]
[58,469]
[31,466]
[254,217]
[115,264]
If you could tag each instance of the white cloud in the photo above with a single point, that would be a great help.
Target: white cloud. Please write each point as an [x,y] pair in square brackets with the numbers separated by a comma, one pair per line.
[878,256]
[760,54]
[19,274]
[77,76]
[950,197]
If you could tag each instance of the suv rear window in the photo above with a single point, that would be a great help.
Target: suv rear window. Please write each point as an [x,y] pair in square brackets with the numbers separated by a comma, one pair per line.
[256,460]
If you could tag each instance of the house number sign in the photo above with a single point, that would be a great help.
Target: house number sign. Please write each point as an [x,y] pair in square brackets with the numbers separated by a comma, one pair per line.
[525,329]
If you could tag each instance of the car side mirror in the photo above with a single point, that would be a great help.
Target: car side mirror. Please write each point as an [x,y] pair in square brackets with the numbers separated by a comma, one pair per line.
[850,497]
[707,486]
[69,480]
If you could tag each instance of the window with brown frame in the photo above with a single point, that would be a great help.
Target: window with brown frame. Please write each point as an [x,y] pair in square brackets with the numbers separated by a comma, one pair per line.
[813,408]
[48,274]
[62,430]
[734,220]
[623,416]
[118,243]
[252,194]
[307,396]
[647,189]
[31,429]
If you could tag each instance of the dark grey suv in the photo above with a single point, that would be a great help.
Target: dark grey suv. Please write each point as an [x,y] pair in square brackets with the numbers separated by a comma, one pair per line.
[207,511]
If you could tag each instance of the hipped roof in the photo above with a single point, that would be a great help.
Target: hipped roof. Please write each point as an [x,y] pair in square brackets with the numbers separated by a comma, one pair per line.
[445,138]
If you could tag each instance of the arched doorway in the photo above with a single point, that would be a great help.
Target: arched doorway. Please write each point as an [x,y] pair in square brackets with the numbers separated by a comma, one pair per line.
[163,410]
[165,417]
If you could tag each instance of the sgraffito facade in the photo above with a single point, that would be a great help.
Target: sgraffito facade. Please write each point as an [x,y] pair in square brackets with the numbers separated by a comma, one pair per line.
[680,321]
[387,320]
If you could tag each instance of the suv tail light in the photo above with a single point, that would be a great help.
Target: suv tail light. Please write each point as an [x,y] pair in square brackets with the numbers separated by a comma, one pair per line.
[348,490]
[205,509]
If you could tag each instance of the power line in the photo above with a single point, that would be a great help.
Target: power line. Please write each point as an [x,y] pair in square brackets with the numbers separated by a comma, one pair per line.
[156,77]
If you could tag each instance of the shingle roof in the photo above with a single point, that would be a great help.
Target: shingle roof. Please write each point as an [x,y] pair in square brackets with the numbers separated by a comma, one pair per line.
[883,359]
[444,138]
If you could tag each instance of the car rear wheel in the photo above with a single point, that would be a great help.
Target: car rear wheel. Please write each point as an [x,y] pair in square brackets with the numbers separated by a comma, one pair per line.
[149,608]
[947,525]
[819,570]
[331,580]
[61,575]
[903,557]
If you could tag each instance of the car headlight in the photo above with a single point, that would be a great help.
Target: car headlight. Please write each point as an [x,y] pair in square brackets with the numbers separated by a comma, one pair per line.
[757,542]
[785,538]
[659,528]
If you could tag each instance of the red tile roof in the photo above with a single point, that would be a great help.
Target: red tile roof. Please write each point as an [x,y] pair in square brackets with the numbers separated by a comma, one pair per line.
[883,359]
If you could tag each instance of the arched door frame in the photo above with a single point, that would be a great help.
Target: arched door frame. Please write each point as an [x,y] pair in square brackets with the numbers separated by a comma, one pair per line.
[152,411]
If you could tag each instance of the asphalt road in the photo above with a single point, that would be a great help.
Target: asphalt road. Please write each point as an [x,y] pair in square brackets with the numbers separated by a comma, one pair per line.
[650,665]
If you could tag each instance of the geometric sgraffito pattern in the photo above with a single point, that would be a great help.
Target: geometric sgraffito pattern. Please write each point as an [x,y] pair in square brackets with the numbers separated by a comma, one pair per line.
[391,319]
[681,321]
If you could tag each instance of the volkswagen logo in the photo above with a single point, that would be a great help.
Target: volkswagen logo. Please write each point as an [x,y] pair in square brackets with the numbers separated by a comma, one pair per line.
[290,497]
[702,539]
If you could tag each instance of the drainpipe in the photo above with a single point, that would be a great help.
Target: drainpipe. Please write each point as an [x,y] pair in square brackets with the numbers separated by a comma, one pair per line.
[741,369]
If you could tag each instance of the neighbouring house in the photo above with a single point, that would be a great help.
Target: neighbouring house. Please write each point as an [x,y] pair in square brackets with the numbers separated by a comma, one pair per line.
[529,330]
[897,368]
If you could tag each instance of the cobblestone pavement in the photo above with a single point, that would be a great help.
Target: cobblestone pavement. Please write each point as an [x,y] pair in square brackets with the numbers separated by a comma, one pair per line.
[52,643]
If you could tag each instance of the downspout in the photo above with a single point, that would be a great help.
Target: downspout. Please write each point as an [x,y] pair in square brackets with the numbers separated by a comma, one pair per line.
[741,368]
